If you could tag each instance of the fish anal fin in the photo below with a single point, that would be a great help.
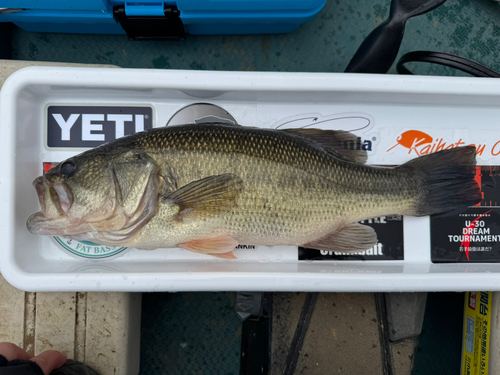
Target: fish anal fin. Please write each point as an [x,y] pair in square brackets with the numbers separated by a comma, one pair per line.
[339,143]
[349,238]
[212,246]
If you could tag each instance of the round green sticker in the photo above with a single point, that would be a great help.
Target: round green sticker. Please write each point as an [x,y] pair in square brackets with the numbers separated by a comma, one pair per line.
[87,249]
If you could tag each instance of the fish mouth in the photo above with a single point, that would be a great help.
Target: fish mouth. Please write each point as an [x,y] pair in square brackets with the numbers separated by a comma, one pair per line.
[55,198]
[38,223]
[55,201]
[109,225]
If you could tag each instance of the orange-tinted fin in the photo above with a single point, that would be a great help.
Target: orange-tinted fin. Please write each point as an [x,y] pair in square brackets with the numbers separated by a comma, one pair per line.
[229,255]
[212,246]
[349,238]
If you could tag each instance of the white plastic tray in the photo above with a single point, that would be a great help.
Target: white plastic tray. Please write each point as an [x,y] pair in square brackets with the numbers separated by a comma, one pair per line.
[451,108]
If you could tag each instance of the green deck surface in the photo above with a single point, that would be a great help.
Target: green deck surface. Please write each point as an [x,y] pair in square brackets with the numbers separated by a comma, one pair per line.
[326,44]
[190,333]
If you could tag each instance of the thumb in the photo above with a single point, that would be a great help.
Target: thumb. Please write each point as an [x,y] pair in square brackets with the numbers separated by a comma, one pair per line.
[49,360]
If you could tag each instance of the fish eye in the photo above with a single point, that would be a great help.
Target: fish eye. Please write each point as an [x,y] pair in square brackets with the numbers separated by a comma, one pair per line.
[68,168]
[140,158]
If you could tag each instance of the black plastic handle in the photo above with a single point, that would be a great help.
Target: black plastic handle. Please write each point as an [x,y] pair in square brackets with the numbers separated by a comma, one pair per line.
[379,50]
[446,59]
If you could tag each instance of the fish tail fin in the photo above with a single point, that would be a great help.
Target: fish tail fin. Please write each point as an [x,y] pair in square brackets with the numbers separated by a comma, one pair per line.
[446,181]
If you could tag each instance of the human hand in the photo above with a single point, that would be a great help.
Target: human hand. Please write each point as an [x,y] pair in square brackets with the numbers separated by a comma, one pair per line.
[48,360]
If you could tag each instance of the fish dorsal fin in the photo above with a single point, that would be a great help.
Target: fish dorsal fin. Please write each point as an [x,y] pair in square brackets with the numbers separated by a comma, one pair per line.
[339,143]
[350,238]
[209,197]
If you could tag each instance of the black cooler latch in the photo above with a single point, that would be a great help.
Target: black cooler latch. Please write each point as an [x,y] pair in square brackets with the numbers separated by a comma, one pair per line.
[148,27]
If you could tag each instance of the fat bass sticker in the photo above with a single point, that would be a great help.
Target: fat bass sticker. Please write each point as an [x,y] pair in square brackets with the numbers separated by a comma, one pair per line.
[389,231]
[87,249]
[474,234]
[84,126]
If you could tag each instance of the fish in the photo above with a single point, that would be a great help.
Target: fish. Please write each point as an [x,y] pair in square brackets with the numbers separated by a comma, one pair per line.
[209,187]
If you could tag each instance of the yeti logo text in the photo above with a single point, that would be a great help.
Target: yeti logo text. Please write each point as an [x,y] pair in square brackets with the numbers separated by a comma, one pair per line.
[74,126]
[93,131]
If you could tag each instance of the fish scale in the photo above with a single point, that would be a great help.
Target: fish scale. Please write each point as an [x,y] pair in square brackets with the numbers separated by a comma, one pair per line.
[285,173]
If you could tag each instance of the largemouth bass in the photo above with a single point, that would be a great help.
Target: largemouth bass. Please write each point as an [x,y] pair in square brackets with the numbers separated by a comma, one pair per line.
[209,187]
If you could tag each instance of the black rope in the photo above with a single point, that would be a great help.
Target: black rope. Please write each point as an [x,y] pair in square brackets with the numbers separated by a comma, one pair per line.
[445,59]
[383,334]
[300,333]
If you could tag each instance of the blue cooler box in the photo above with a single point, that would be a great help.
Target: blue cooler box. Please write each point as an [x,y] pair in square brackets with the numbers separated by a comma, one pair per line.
[160,20]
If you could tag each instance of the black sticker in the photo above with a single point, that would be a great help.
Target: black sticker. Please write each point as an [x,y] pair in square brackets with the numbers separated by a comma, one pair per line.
[390,246]
[474,234]
[83,126]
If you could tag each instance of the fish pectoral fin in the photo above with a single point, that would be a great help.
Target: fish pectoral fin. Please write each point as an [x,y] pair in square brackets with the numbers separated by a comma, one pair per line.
[209,197]
[341,144]
[349,238]
[216,246]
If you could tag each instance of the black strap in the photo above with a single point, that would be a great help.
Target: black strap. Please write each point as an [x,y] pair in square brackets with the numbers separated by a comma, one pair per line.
[445,59]
[300,333]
